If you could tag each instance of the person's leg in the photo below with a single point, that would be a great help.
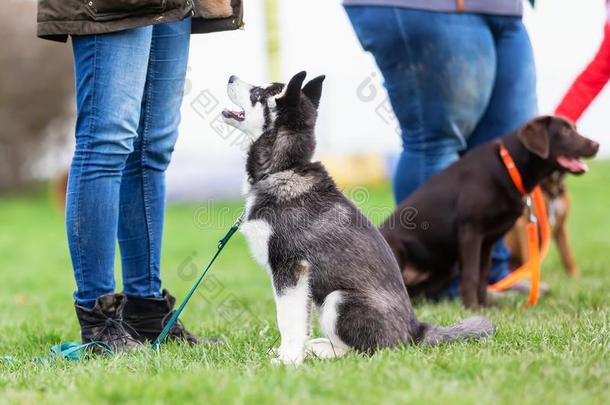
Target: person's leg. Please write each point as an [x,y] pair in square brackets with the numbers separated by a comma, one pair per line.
[110,72]
[439,70]
[513,102]
[143,187]
[142,195]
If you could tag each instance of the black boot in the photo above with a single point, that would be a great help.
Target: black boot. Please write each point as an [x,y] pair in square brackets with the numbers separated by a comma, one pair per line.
[104,323]
[148,316]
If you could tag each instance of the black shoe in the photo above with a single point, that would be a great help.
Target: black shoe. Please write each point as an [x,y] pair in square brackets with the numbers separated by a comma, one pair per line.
[104,323]
[148,316]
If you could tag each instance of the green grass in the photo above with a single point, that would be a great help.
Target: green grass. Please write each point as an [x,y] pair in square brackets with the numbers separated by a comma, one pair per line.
[557,352]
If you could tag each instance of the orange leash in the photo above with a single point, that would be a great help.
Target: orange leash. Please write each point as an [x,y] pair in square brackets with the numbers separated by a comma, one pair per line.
[543,220]
[533,263]
[537,251]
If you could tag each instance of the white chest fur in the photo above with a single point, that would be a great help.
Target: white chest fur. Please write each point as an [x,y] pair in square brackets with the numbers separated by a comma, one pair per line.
[257,233]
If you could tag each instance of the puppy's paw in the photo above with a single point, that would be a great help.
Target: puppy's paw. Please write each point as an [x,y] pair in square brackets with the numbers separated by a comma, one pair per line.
[323,348]
[289,358]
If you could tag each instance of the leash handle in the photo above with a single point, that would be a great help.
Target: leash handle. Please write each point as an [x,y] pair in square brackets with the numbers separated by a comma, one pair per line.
[174,318]
[72,351]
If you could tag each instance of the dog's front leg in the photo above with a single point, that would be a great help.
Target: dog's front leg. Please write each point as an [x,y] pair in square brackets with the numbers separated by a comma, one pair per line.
[293,306]
[486,253]
[470,243]
[563,246]
[521,230]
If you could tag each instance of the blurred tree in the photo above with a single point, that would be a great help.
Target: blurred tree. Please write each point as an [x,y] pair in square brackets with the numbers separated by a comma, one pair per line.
[36,89]
[273,39]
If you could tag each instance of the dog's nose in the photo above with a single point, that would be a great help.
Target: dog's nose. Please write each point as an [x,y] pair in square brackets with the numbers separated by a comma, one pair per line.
[595,146]
[232,79]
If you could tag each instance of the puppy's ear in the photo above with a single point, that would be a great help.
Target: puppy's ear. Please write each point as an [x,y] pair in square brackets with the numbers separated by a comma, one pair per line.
[535,136]
[313,90]
[292,95]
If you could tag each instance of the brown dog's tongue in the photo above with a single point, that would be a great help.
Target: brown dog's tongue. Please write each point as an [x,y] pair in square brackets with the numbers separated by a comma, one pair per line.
[572,164]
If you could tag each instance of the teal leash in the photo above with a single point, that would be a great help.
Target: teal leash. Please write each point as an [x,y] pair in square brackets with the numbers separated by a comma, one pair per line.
[71,351]
[172,321]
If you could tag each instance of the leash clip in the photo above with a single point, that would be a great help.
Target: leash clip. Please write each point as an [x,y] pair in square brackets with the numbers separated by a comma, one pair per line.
[232,230]
[532,216]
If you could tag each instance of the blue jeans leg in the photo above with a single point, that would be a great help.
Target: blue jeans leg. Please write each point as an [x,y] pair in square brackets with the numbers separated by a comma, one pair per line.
[438,70]
[142,195]
[513,100]
[111,73]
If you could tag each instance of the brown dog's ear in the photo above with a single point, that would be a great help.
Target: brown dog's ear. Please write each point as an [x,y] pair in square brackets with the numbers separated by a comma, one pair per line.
[292,95]
[535,136]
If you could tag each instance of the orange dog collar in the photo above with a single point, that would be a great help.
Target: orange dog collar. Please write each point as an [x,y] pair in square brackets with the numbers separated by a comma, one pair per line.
[509,163]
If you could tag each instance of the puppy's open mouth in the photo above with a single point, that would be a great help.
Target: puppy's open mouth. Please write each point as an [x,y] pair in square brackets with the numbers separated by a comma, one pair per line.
[572,164]
[236,115]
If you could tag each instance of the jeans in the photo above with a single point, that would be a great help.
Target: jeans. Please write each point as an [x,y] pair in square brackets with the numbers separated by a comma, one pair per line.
[454,81]
[129,88]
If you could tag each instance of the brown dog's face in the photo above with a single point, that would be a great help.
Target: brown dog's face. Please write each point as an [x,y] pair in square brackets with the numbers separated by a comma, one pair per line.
[556,140]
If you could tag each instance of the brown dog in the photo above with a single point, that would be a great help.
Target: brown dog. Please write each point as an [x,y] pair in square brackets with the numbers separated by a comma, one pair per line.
[557,202]
[457,216]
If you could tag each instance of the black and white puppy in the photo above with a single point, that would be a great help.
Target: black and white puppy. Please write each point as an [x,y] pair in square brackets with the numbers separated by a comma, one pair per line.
[318,248]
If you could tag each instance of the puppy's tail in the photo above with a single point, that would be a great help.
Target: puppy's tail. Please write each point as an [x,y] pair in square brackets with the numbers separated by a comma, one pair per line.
[476,327]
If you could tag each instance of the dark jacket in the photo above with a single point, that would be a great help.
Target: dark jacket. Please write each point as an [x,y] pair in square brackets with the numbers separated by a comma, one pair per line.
[59,18]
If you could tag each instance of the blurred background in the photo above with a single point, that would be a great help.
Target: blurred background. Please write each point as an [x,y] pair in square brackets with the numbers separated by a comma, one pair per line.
[357,133]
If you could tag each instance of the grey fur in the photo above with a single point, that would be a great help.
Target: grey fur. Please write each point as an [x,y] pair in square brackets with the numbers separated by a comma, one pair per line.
[287,185]
[313,222]
[476,327]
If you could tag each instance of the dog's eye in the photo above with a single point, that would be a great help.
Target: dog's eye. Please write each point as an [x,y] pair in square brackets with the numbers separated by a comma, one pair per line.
[255,95]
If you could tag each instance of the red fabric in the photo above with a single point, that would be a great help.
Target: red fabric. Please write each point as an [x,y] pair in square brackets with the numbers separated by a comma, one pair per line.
[590,82]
